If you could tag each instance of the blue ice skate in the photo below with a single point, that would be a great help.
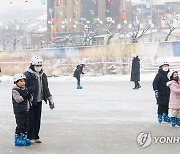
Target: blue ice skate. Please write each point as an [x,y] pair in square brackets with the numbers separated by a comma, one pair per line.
[173,121]
[28,142]
[166,118]
[160,118]
[19,141]
[178,121]
[79,87]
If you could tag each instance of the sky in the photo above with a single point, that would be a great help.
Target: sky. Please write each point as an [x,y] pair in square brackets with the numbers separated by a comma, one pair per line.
[21,10]
[5,4]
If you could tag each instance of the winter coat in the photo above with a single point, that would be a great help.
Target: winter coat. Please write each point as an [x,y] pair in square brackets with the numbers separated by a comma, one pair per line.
[33,86]
[159,83]
[20,104]
[174,101]
[78,71]
[135,71]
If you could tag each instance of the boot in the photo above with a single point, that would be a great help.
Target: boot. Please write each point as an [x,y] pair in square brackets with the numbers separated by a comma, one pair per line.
[138,87]
[160,118]
[19,141]
[28,142]
[173,121]
[166,118]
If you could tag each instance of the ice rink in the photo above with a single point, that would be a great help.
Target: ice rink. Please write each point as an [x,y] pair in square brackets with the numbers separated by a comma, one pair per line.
[103,118]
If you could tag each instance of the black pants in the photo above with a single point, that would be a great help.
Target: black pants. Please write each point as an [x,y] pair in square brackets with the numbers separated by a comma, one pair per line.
[78,79]
[34,121]
[162,109]
[21,122]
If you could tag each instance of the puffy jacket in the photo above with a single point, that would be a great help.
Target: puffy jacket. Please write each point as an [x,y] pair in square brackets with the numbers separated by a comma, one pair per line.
[23,104]
[174,102]
[78,71]
[32,86]
[159,83]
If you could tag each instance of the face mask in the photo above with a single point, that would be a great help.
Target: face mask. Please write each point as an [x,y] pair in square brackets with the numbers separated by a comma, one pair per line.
[176,78]
[37,69]
[165,69]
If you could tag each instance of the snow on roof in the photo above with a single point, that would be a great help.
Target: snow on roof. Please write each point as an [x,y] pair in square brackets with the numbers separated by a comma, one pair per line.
[42,29]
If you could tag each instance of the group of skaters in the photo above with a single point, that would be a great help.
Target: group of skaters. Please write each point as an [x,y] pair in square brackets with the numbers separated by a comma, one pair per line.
[166,86]
[30,89]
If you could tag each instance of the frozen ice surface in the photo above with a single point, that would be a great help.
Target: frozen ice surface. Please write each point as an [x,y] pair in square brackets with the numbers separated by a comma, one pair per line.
[103,118]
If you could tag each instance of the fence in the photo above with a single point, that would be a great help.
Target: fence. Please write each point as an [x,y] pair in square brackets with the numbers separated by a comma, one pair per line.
[100,60]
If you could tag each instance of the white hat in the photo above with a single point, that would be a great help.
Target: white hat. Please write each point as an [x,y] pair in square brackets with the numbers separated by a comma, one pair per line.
[163,63]
[36,60]
[18,77]
[170,73]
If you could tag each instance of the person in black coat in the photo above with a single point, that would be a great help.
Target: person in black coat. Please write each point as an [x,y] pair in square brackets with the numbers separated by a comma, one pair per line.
[37,86]
[78,71]
[162,92]
[135,72]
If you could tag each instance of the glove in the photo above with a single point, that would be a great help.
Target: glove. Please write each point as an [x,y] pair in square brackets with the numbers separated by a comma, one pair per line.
[156,93]
[51,102]
[26,95]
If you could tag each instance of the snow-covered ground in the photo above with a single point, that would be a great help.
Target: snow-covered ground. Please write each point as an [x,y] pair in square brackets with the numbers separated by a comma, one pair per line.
[144,77]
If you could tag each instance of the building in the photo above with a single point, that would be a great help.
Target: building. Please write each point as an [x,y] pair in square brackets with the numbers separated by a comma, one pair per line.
[69,16]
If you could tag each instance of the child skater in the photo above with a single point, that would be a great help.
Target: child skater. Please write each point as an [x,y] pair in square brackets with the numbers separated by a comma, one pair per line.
[162,92]
[78,71]
[174,103]
[21,104]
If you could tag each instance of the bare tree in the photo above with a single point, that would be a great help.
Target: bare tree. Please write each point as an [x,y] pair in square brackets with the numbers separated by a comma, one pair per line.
[17,33]
[109,29]
[136,34]
[89,32]
[5,37]
[171,28]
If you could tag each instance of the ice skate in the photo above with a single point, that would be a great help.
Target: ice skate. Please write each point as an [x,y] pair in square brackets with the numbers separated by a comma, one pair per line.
[173,121]
[79,87]
[178,121]
[28,142]
[160,118]
[166,118]
[19,141]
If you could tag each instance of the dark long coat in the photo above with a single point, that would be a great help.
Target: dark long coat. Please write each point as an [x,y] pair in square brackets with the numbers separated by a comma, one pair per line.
[159,83]
[32,86]
[135,71]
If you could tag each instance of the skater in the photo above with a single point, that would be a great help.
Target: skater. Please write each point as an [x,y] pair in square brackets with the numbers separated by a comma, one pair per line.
[37,85]
[78,71]
[174,102]
[21,104]
[135,72]
[162,92]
